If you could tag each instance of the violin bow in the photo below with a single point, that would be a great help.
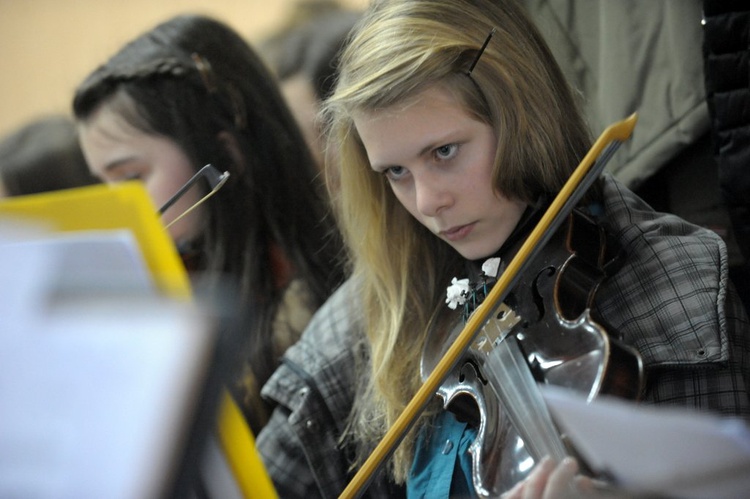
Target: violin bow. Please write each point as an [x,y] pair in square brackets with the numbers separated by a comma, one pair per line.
[571,193]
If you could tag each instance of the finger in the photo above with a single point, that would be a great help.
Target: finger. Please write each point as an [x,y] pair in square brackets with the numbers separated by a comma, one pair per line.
[584,484]
[516,492]
[561,480]
[537,480]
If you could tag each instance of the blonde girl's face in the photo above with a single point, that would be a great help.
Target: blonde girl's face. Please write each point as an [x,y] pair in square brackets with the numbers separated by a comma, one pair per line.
[116,151]
[439,160]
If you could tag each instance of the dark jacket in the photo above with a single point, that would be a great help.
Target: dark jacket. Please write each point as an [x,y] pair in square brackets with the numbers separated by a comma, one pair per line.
[726,50]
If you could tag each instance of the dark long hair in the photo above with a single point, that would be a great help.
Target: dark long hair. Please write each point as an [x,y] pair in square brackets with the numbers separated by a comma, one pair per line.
[192,79]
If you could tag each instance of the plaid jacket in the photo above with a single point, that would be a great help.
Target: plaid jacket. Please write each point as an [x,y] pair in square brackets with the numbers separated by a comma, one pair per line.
[314,388]
[671,300]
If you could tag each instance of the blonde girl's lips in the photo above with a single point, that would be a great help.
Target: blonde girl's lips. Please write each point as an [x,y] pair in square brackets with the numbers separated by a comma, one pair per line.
[457,233]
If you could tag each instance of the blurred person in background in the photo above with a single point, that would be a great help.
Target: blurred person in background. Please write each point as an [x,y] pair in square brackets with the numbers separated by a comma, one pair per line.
[304,55]
[42,155]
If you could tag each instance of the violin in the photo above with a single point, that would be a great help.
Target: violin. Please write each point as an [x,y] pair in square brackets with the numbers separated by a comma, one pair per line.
[552,339]
[506,368]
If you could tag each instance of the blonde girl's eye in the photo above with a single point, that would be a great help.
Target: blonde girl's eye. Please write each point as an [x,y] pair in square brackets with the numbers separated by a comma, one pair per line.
[446,152]
[394,173]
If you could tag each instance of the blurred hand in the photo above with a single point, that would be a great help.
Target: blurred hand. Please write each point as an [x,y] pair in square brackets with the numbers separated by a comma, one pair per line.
[555,481]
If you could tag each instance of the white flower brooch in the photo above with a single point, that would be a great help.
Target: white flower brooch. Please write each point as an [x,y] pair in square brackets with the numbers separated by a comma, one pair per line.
[461,289]
[457,293]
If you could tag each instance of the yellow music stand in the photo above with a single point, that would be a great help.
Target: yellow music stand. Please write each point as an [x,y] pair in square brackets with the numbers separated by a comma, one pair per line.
[127,205]
[101,207]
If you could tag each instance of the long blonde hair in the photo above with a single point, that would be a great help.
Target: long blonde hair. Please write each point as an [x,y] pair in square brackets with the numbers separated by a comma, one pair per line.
[400,48]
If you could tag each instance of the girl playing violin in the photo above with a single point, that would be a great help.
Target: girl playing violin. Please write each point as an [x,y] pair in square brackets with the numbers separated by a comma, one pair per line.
[446,151]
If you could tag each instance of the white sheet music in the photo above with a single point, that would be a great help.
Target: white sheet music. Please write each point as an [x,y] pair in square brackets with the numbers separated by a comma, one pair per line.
[95,387]
[652,449]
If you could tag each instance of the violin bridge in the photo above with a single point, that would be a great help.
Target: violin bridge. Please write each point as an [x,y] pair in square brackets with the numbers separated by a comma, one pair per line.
[496,329]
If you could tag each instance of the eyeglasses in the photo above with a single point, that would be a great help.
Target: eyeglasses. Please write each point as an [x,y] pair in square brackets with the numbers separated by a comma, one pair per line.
[215,180]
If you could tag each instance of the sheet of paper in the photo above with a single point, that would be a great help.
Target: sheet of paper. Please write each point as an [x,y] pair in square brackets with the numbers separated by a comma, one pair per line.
[93,404]
[85,260]
[24,275]
[651,449]
[98,374]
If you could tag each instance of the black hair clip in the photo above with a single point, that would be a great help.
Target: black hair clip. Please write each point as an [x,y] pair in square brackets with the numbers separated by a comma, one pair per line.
[481,51]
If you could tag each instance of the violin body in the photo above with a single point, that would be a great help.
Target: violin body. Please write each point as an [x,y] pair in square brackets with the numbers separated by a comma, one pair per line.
[548,316]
